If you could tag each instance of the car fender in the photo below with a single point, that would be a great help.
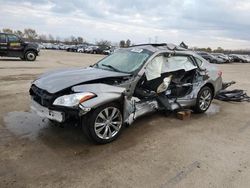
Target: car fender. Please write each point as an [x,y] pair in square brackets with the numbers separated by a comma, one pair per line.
[104,94]
[31,47]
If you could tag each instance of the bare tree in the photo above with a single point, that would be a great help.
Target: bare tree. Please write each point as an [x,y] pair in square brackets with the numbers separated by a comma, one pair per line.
[73,39]
[42,38]
[30,34]
[51,38]
[80,40]
[128,43]
[219,50]
[122,44]
[7,30]
[19,33]
[67,41]
[209,49]
[103,43]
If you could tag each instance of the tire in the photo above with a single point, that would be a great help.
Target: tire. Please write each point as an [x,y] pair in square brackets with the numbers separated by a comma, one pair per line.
[30,56]
[204,99]
[98,126]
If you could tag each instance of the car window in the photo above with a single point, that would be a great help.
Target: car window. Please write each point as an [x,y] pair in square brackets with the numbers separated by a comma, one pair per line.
[175,63]
[13,38]
[2,38]
[198,61]
[162,64]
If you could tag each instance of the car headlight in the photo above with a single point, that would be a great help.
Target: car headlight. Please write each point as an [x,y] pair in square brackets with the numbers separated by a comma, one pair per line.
[73,99]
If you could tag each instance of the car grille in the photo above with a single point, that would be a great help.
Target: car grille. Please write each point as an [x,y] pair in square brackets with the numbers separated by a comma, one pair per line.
[41,96]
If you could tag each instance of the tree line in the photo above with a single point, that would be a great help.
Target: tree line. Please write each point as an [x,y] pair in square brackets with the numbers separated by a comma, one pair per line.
[221,50]
[208,49]
[31,35]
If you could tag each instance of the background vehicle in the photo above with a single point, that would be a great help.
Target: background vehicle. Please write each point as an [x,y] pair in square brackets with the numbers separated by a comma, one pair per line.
[47,45]
[13,46]
[81,48]
[211,58]
[106,50]
[72,48]
[222,56]
[55,47]
[238,58]
[88,49]
[124,86]
[247,58]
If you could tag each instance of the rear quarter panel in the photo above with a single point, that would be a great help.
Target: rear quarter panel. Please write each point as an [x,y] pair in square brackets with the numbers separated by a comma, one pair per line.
[214,76]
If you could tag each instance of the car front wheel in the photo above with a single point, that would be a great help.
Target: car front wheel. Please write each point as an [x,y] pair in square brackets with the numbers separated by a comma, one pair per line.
[203,100]
[104,124]
[30,56]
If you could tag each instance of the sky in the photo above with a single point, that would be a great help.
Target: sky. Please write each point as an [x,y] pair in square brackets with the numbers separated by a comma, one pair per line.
[199,23]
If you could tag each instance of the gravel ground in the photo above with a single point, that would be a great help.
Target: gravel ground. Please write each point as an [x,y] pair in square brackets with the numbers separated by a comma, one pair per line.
[209,150]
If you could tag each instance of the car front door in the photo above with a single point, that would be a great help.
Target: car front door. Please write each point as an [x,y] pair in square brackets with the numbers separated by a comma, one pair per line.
[15,46]
[3,45]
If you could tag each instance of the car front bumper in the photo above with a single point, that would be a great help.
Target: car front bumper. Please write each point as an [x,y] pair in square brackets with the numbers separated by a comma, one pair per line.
[47,113]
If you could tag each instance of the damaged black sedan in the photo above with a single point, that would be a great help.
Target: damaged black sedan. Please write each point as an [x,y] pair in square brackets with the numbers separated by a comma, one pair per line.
[124,86]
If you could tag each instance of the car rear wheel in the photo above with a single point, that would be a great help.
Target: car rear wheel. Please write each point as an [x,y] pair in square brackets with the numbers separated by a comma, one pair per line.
[104,124]
[203,100]
[30,56]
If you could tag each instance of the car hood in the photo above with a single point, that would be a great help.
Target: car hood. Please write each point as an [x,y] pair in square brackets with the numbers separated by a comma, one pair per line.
[56,81]
[31,44]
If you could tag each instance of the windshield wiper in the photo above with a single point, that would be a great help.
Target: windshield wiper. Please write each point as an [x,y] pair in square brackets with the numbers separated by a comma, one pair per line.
[111,67]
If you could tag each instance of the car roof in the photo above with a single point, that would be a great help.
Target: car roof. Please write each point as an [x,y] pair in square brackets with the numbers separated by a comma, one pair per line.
[159,47]
[168,48]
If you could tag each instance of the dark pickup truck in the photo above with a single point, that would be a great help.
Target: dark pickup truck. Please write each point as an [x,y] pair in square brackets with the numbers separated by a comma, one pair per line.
[13,46]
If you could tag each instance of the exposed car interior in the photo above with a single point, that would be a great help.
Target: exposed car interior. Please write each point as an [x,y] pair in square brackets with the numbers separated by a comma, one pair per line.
[161,67]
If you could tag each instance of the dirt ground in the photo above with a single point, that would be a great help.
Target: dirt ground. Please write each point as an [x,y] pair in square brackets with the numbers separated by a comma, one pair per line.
[209,150]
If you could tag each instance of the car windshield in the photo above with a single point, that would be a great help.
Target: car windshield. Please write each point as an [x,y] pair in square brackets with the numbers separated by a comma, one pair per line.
[127,61]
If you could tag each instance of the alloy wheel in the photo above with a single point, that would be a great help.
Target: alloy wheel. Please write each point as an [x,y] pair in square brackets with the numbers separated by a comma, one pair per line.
[108,123]
[205,99]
